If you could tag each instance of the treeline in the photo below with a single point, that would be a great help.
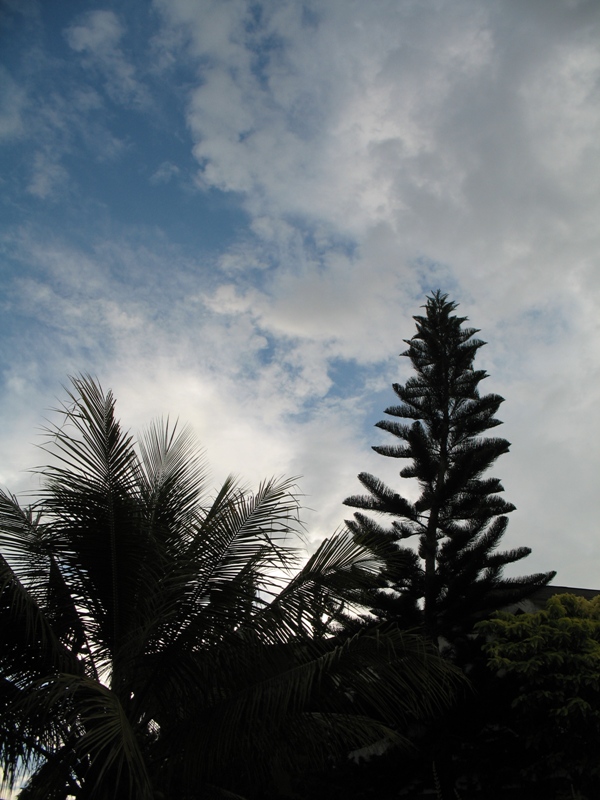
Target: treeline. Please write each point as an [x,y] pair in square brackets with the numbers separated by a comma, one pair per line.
[162,641]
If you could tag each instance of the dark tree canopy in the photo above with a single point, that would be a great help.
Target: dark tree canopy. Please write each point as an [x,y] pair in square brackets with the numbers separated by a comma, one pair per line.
[152,646]
[454,577]
[551,660]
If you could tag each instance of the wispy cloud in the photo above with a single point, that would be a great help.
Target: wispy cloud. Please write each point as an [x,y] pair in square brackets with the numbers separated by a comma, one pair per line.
[48,175]
[97,36]
[363,155]
[165,173]
[13,100]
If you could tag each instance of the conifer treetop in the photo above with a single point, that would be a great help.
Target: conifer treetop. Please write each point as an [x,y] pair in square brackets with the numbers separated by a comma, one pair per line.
[454,576]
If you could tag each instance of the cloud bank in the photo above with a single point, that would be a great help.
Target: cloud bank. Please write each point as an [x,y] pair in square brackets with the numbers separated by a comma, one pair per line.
[344,160]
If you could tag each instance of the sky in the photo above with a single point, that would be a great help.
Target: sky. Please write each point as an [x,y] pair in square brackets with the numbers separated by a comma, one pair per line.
[229,211]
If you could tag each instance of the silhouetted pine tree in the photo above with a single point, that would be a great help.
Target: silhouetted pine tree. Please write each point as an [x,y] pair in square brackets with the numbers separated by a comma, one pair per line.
[455,576]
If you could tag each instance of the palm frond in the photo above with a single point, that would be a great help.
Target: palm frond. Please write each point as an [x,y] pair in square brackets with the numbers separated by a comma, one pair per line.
[91,498]
[157,639]
[334,581]
[174,477]
[91,717]
[374,681]
[21,542]
[90,441]
[240,541]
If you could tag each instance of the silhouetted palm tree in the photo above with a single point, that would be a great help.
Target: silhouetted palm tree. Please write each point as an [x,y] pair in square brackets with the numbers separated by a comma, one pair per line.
[153,642]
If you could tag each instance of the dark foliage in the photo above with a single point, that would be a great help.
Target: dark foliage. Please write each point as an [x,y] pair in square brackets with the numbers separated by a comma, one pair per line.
[454,578]
[160,642]
[551,662]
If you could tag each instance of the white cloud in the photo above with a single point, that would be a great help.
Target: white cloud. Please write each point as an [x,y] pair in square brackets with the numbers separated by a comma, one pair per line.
[165,173]
[97,37]
[384,150]
[563,114]
[13,100]
[48,176]
[140,325]
[54,122]
[99,33]
[388,115]
[380,150]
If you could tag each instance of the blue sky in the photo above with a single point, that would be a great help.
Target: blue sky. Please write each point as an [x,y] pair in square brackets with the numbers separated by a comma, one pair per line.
[229,212]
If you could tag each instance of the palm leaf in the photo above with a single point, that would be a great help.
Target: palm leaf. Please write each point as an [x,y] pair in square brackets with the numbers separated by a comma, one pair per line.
[334,581]
[91,716]
[157,638]
[363,689]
